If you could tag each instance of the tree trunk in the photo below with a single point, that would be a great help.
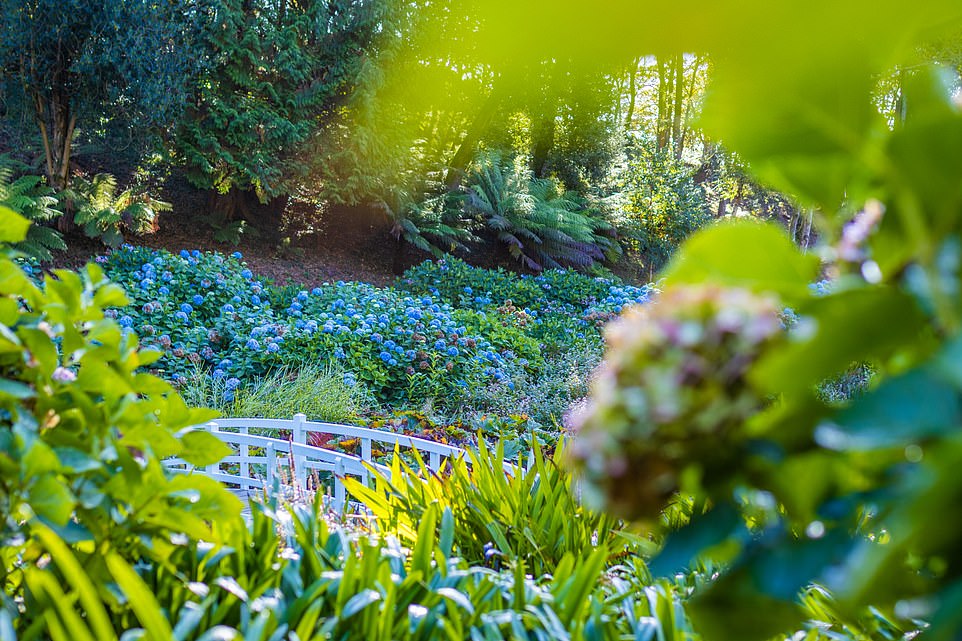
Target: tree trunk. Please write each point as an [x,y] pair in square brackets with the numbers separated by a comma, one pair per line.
[663,119]
[466,149]
[677,110]
[543,133]
[56,123]
[690,101]
[632,94]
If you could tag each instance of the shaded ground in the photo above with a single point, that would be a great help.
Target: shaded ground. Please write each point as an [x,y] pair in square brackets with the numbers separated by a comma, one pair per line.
[349,244]
[345,244]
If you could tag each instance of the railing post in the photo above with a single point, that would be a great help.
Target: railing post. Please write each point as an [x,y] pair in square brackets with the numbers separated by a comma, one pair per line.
[298,435]
[245,453]
[435,461]
[339,493]
[365,456]
[213,468]
[271,462]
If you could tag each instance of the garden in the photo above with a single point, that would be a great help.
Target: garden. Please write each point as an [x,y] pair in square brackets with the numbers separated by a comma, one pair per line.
[683,282]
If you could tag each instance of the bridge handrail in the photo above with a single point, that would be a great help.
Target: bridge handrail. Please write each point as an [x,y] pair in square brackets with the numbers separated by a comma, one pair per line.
[303,455]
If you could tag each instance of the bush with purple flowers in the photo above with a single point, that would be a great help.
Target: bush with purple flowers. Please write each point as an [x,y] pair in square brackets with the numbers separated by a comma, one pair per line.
[206,310]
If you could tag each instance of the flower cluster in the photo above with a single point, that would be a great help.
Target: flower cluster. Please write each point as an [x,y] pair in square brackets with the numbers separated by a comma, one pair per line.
[674,387]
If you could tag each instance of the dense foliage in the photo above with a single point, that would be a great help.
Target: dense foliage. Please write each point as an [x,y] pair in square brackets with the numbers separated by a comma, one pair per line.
[82,435]
[82,61]
[279,71]
[851,497]
[419,343]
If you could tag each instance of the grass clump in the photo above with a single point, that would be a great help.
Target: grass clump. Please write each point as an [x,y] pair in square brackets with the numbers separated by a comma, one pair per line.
[320,392]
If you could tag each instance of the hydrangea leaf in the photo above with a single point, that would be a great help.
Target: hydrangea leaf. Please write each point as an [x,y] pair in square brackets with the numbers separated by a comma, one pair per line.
[745,254]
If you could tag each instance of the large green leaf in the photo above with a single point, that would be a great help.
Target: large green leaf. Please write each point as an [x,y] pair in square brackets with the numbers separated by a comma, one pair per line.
[202,448]
[13,226]
[903,410]
[866,324]
[51,500]
[746,254]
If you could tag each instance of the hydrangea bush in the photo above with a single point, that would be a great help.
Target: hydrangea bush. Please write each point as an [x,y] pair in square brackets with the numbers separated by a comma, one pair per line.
[206,310]
[554,307]
[421,341]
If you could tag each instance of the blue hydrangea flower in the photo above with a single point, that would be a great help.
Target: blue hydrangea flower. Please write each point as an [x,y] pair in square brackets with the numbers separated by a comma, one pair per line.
[246,274]
[273,348]
[237,255]
[182,317]
[252,344]
[439,345]
[255,300]
[126,321]
[228,308]
[186,308]
[198,300]
[302,296]
[385,356]
[452,351]
[184,253]
[317,291]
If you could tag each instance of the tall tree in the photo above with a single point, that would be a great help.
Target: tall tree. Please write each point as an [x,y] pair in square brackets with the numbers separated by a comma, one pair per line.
[280,72]
[87,58]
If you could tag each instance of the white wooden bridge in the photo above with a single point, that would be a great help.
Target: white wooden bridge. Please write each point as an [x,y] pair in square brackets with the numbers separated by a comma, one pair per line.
[269,452]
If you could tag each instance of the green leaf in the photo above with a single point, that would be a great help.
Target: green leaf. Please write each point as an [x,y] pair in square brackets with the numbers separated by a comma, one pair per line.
[51,500]
[140,598]
[752,255]
[701,534]
[358,602]
[202,448]
[866,324]
[9,311]
[15,389]
[903,410]
[446,540]
[13,226]
[79,580]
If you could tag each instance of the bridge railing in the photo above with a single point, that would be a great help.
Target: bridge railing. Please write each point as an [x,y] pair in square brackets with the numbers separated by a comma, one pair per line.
[260,454]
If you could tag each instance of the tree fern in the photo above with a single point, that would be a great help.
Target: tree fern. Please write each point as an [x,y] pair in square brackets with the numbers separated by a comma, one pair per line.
[427,219]
[104,214]
[541,225]
[30,197]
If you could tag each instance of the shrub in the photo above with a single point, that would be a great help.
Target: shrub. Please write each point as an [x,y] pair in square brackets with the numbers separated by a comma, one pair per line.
[531,518]
[544,397]
[673,392]
[82,435]
[662,204]
[207,310]
[103,213]
[541,225]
